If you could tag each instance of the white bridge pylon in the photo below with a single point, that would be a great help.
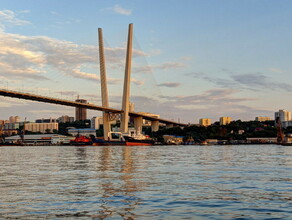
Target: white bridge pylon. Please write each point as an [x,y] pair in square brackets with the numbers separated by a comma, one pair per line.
[104,90]
[126,90]
[126,93]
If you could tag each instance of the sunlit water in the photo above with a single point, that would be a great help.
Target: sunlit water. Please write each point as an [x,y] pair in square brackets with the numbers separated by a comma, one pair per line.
[159,182]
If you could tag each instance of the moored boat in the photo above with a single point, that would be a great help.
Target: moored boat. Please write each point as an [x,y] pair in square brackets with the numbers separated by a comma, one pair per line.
[81,140]
[118,138]
[131,141]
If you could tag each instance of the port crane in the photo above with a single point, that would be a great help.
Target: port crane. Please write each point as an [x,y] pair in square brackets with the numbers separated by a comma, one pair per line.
[280,134]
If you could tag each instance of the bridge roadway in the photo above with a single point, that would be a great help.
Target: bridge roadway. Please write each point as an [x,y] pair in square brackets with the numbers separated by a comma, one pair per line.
[32,97]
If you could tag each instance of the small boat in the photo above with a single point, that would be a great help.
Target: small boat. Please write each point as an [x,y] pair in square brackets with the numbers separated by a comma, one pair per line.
[81,140]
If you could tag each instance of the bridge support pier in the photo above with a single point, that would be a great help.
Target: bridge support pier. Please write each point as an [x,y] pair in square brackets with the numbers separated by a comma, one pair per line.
[106,125]
[154,126]
[138,121]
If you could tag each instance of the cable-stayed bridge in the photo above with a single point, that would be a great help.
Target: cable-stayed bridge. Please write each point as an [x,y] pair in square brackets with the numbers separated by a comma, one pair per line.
[109,114]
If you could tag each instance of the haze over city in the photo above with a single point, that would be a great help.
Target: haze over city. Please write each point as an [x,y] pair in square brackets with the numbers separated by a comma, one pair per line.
[191,59]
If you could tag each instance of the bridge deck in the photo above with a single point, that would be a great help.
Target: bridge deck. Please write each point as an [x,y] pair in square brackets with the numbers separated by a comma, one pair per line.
[33,97]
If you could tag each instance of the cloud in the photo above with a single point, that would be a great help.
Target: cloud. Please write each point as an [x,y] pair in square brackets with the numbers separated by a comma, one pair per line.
[67,93]
[6,102]
[248,81]
[208,98]
[211,103]
[24,11]
[137,82]
[163,66]
[119,10]
[276,70]
[170,85]
[9,18]
[27,57]
[260,81]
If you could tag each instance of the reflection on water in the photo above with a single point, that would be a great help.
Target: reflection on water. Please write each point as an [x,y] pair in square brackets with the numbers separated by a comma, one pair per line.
[159,182]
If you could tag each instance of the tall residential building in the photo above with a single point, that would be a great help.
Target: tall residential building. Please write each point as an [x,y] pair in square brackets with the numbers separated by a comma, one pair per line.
[261,118]
[13,119]
[65,118]
[284,115]
[81,113]
[225,120]
[205,121]
[96,122]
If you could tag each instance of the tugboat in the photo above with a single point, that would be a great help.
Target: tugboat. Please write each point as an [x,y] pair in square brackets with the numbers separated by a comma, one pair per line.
[81,140]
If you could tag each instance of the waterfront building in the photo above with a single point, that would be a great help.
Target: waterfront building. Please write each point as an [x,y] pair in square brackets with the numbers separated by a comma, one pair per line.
[261,140]
[14,119]
[41,127]
[65,118]
[205,121]
[82,131]
[96,122]
[261,118]
[286,124]
[225,120]
[173,139]
[81,113]
[285,118]
[40,139]
[12,126]
[46,120]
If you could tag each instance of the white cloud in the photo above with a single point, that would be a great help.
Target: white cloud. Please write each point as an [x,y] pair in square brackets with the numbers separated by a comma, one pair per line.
[118,9]
[8,17]
[27,57]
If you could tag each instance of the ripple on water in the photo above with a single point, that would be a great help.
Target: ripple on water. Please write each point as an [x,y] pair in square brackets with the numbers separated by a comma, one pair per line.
[161,182]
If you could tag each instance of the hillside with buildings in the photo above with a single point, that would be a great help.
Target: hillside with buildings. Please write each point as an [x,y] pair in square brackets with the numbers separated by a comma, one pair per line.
[224,129]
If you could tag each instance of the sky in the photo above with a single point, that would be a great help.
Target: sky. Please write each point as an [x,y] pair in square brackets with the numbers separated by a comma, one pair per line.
[192,59]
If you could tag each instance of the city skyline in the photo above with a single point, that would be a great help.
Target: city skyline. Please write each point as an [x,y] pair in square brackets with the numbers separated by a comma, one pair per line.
[192,60]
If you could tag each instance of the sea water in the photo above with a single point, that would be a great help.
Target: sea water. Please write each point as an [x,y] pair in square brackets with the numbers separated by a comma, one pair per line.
[151,182]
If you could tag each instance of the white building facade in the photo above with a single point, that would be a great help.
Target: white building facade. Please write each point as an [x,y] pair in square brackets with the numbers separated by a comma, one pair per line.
[41,127]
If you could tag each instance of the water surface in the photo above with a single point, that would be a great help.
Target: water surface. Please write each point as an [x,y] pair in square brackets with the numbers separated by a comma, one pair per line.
[157,182]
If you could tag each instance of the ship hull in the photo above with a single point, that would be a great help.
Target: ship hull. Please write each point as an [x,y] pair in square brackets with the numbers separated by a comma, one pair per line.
[138,144]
